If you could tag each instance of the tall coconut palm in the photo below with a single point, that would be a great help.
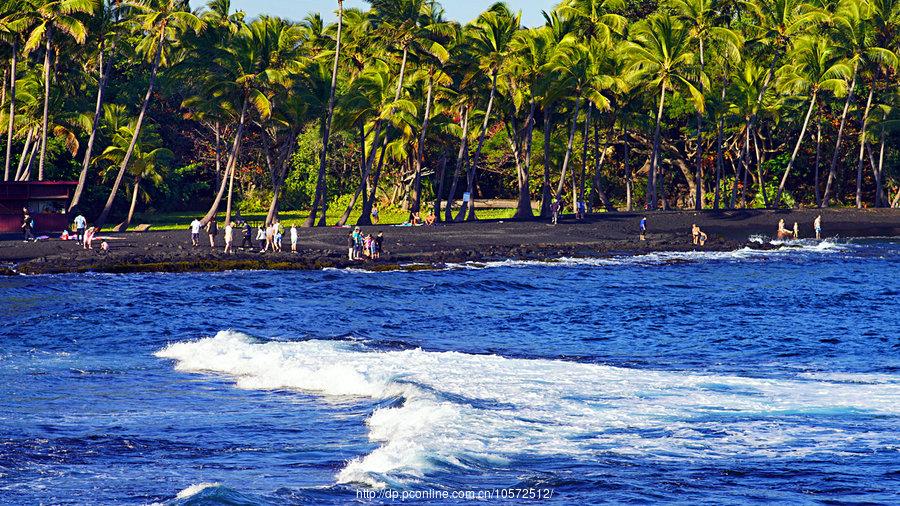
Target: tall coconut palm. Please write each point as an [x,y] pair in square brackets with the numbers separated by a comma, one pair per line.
[319,198]
[491,38]
[705,18]
[105,25]
[13,23]
[815,66]
[161,24]
[49,18]
[660,51]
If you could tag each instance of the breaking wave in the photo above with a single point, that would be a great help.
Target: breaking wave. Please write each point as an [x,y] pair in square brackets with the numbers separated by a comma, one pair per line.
[454,410]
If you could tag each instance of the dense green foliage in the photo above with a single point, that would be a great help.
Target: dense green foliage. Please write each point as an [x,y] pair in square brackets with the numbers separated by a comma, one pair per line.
[676,103]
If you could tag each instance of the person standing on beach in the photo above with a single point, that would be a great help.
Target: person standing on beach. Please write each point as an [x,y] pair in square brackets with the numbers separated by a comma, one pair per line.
[247,240]
[554,210]
[695,234]
[229,236]
[80,226]
[27,226]
[379,244]
[351,245]
[212,230]
[796,230]
[374,214]
[817,224]
[261,237]
[644,228]
[294,238]
[195,232]
[276,236]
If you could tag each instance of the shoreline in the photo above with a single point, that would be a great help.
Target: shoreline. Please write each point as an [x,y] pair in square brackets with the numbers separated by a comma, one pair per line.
[425,248]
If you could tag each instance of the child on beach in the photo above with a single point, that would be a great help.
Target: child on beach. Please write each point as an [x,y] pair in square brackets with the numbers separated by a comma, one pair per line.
[817,224]
[796,230]
[294,238]
[374,214]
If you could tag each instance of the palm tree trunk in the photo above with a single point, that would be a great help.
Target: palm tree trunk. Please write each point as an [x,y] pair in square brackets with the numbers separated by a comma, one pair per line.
[367,166]
[720,163]
[44,121]
[460,157]
[787,171]
[698,176]
[629,177]
[879,180]
[26,173]
[577,190]
[95,126]
[137,133]
[474,165]
[572,128]
[134,196]
[523,206]
[862,147]
[218,133]
[546,195]
[364,218]
[654,157]
[439,191]
[420,152]
[12,108]
[832,171]
[599,158]
[326,130]
[759,172]
[28,139]
[230,164]
[818,151]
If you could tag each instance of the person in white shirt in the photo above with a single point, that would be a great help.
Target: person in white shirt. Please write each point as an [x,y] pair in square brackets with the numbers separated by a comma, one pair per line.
[229,237]
[294,238]
[195,232]
[80,226]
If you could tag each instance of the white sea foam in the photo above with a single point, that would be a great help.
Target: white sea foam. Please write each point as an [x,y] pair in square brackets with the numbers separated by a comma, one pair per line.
[668,257]
[195,489]
[483,410]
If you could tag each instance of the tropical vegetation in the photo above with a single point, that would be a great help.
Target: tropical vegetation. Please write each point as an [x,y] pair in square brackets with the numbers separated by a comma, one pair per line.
[693,104]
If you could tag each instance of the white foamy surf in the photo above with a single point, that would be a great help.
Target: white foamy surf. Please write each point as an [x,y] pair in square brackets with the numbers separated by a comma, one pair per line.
[484,410]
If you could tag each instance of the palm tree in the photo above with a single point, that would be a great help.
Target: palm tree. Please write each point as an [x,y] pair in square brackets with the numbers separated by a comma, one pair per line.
[161,23]
[815,66]
[704,17]
[319,198]
[13,23]
[491,39]
[106,27]
[50,17]
[147,160]
[660,52]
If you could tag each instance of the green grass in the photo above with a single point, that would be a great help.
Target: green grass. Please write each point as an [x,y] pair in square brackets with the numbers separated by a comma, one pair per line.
[389,216]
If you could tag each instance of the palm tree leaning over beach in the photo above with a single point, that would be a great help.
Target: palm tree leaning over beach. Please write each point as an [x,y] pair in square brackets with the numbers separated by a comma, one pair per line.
[815,66]
[161,23]
[50,17]
[107,29]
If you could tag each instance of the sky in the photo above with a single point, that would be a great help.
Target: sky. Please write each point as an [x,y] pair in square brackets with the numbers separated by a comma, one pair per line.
[458,10]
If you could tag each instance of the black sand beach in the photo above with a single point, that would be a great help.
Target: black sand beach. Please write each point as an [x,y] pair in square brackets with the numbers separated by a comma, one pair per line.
[426,247]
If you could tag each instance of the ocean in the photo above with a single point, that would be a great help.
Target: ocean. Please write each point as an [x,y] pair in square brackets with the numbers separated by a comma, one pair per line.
[698,378]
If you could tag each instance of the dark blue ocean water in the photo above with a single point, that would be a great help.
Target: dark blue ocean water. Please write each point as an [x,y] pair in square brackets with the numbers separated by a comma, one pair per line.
[739,377]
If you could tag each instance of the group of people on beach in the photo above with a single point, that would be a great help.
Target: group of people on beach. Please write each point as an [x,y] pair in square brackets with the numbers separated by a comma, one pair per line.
[84,234]
[364,246]
[784,233]
[268,237]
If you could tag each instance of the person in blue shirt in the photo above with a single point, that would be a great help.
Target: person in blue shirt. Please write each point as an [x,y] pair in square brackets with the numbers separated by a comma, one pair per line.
[643,228]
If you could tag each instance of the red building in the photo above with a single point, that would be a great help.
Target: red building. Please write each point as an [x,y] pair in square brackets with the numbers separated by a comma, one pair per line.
[46,201]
